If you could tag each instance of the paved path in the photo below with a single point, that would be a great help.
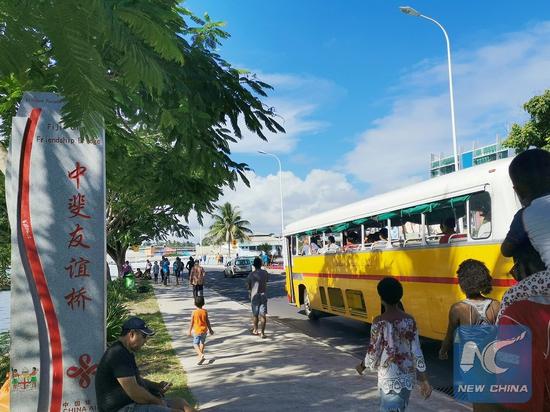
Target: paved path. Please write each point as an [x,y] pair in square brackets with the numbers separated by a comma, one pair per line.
[287,371]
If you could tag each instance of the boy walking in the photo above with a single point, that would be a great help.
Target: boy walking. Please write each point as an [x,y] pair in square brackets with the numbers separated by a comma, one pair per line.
[198,328]
[257,286]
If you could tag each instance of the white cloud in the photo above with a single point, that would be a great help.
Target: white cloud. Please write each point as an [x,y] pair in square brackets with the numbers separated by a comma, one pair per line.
[319,191]
[295,99]
[491,85]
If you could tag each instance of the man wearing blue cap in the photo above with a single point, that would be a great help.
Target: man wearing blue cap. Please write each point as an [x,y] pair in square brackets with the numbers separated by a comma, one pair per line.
[118,384]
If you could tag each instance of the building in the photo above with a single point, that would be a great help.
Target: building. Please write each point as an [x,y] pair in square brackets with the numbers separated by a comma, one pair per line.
[251,247]
[442,164]
[254,245]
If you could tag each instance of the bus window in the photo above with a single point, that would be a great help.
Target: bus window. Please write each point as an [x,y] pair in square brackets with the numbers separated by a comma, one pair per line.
[480,215]
[336,299]
[356,302]
[323,294]
[293,247]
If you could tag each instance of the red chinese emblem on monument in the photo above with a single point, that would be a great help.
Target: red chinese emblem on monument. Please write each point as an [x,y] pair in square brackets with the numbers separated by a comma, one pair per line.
[83,371]
[77,238]
[78,268]
[76,173]
[77,299]
[76,204]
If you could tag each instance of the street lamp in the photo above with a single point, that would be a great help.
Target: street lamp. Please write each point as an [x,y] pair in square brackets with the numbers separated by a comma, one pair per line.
[281,196]
[412,12]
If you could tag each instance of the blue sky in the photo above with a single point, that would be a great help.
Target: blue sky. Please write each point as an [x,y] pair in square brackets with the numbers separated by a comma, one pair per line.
[362,90]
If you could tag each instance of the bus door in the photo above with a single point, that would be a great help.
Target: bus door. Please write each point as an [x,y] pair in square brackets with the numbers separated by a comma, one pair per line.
[287,247]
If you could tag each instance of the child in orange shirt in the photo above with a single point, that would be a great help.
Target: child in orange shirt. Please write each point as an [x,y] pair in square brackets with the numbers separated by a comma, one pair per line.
[198,327]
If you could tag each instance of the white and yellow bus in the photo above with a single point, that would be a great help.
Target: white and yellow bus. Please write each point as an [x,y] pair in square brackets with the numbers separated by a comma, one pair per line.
[343,281]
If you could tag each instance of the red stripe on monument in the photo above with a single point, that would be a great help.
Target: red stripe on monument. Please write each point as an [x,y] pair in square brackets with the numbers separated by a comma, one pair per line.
[36,266]
[421,279]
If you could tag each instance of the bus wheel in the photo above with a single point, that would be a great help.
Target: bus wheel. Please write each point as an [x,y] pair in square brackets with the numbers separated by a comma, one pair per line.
[310,313]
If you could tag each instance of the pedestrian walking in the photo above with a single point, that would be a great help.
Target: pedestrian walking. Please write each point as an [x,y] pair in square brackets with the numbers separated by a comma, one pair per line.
[165,270]
[394,351]
[257,287]
[156,271]
[148,267]
[189,266]
[198,328]
[178,268]
[476,310]
[196,279]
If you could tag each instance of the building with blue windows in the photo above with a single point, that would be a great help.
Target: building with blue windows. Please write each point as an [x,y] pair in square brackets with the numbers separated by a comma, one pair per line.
[444,164]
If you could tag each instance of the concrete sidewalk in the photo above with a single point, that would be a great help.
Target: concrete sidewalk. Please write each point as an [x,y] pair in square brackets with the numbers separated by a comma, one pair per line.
[286,371]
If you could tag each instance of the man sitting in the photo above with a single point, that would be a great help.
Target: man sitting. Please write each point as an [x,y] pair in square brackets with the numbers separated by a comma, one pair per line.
[447,229]
[331,246]
[118,384]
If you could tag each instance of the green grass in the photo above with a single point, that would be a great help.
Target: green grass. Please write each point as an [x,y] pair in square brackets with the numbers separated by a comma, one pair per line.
[4,356]
[157,359]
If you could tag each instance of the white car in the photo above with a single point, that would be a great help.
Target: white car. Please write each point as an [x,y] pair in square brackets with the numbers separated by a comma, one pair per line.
[238,267]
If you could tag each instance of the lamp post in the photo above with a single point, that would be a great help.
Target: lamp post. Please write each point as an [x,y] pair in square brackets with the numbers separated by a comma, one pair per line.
[412,12]
[281,197]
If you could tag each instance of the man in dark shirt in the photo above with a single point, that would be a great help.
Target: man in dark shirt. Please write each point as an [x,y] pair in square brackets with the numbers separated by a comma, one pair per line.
[257,285]
[118,384]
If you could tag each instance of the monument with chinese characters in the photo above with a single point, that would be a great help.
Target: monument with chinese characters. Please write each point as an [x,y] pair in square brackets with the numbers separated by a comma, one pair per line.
[55,190]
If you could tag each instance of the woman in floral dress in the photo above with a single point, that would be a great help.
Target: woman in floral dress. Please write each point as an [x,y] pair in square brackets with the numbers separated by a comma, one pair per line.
[394,351]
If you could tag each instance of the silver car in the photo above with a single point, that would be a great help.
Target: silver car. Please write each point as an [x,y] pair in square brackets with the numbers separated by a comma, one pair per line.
[238,267]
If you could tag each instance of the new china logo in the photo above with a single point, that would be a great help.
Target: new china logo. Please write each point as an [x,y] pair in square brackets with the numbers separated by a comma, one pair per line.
[492,364]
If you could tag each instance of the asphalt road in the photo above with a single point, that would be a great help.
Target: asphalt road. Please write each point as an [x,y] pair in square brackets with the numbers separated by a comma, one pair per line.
[343,334]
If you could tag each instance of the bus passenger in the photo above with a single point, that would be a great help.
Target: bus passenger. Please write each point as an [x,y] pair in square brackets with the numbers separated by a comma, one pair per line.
[314,245]
[475,281]
[332,247]
[394,351]
[448,229]
[352,240]
[306,249]
[484,230]
[382,234]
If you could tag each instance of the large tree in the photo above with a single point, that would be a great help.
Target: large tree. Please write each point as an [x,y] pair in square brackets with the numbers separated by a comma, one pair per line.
[169,104]
[228,225]
[536,131]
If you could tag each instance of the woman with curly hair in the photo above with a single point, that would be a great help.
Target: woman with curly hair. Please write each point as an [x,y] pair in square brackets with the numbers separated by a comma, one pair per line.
[394,351]
[475,281]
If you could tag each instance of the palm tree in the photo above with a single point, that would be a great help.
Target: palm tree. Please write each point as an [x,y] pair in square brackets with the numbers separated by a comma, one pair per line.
[228,225]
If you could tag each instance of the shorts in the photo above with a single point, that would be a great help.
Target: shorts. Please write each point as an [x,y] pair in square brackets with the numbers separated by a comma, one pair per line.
[134,407]
[198,339]
[259,304]
[393,401]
